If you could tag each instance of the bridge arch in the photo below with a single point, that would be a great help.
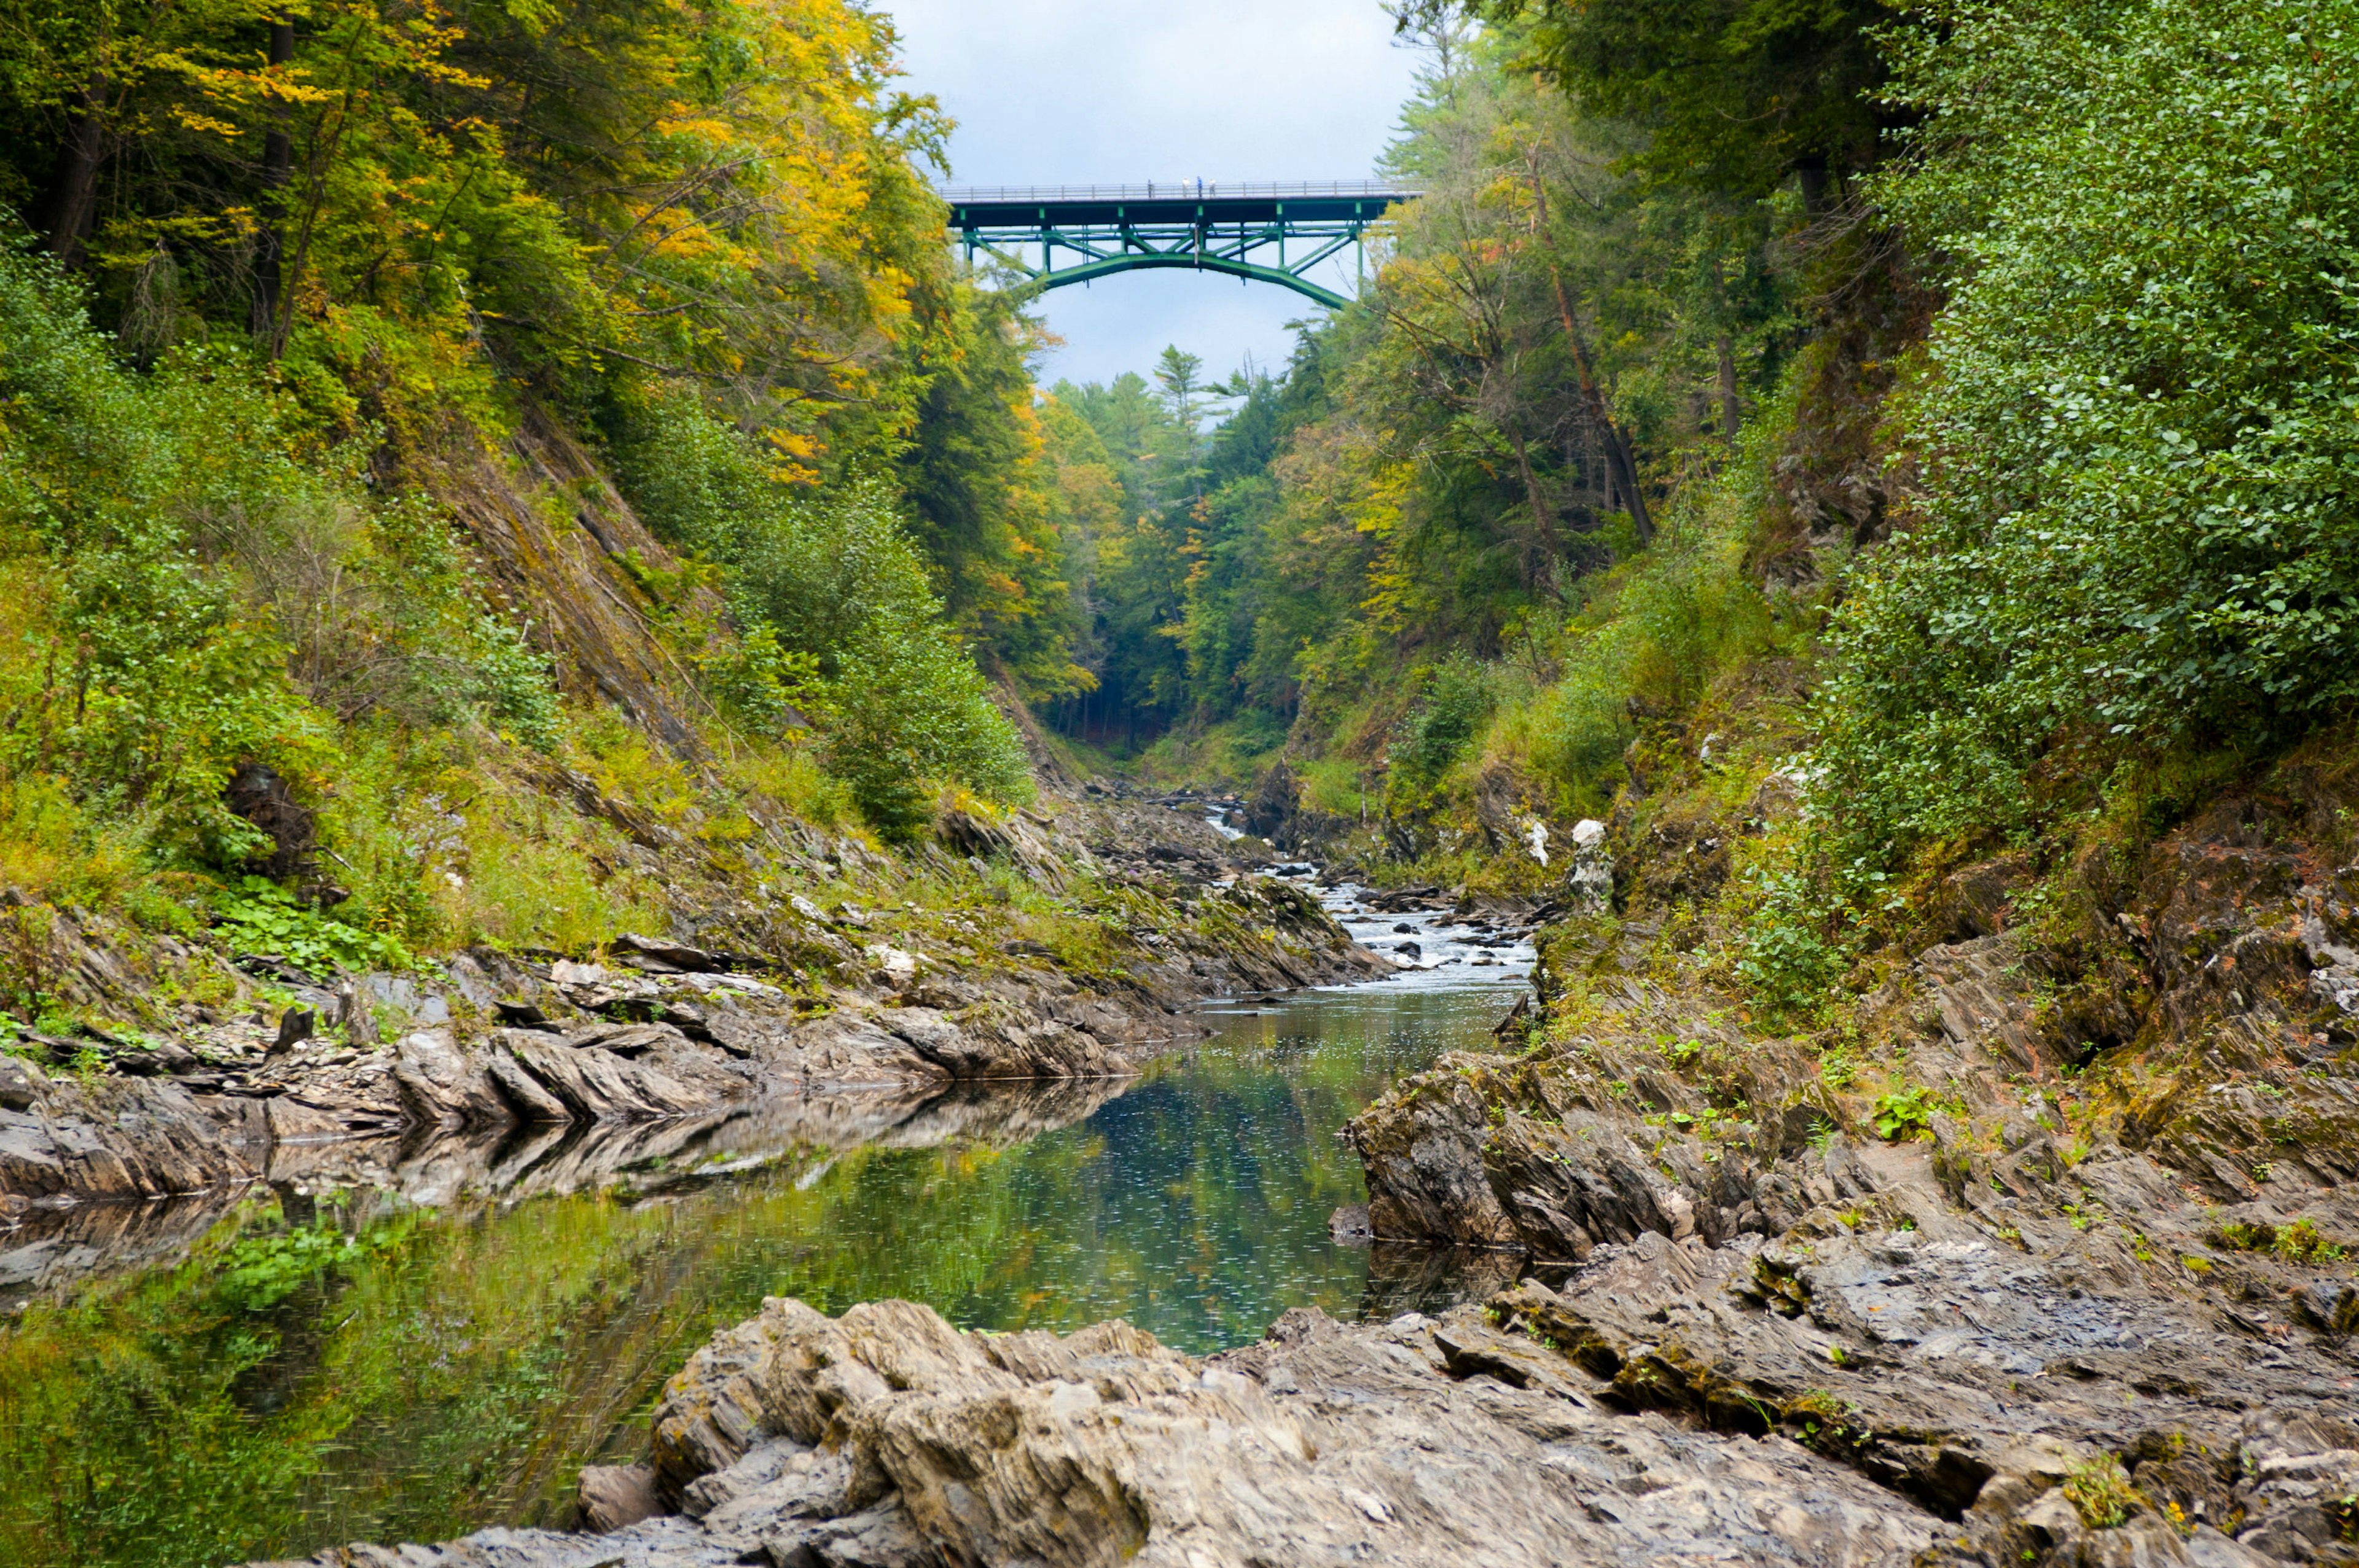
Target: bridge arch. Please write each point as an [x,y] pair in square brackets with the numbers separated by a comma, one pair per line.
[1265,233]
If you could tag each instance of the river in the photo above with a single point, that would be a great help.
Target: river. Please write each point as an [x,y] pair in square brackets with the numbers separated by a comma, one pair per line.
[442,1347]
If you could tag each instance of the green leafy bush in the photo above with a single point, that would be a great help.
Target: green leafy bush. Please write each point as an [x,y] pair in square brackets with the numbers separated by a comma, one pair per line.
[1905,1113]
[2133,522]
[834,615]
[147,676]
[258,917]
[1456,704]
[1654,633]
[193,579]
[1785,960]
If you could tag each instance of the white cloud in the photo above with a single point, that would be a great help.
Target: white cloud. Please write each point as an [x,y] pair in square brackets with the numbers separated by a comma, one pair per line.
[1065,91]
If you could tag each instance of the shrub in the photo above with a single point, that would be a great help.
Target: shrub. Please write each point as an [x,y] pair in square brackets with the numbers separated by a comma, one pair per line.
[2100,1492]
[1456,704]
[189,578]
[1656,633]
[833,613]
[2134,523]
[1905,1113]
[143,678]
[257,916]
[1786,961]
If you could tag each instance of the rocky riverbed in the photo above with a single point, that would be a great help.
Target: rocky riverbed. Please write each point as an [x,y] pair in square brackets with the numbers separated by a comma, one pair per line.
[2019,1264]
[2011,1265]
[1922,1393]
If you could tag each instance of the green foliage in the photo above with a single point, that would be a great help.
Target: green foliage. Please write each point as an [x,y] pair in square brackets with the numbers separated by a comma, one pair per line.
[1129,487]
[1456,705]
[1740,93]
[1785,960]
[341,255]
[196,579]
[977,507]
[727,186]
[258,916]
[2297,1241]
[2100,1492]
[153,678]
[260,1271]
[836,620]
[1905,1113]
[1435,471]
[1652,637]
[2134,432]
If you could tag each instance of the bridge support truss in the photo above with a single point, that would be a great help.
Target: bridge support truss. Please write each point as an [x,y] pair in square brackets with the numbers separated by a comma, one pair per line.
[1269,234]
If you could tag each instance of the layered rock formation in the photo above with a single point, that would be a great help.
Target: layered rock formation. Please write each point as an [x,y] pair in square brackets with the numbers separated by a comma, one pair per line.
[1892,1380]
[51,1251]
[659,1028]
[2053,1238]
[886,1437]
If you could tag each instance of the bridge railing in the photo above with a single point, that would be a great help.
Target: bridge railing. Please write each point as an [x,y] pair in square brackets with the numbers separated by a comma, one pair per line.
[1178,190]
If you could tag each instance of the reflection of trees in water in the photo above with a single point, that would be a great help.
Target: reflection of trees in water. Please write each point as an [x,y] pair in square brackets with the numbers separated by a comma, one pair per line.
[517,1304]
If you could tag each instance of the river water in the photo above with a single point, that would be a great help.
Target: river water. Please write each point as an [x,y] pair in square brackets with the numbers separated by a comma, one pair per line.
[439,1342]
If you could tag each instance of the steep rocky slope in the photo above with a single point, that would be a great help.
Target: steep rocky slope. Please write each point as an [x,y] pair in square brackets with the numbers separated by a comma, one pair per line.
[2048,1227]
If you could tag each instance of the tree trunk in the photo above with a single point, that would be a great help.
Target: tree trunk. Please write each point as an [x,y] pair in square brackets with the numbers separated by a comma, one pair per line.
[1732,411]
[1813,174]
[278,163]
[1619,464]
[77,184]
[1541,521]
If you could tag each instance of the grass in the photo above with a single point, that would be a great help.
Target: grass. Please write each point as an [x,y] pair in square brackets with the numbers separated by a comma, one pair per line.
[2298,1241]
[2101,1493]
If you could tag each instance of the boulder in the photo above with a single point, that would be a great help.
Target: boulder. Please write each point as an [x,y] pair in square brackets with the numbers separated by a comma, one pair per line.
[613,1495]
[886,1437]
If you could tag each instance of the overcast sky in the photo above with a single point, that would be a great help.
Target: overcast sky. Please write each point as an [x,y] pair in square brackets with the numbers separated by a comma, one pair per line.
[1112,92]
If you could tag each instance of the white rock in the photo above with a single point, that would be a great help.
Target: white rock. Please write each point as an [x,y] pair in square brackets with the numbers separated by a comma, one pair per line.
[899,966]
[1535,835]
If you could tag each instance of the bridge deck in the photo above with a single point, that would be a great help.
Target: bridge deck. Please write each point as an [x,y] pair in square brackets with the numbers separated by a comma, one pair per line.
[1180,203]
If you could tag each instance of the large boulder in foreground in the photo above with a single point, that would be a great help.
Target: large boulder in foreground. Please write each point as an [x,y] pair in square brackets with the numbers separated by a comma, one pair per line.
[886,1437]
[1909,1390]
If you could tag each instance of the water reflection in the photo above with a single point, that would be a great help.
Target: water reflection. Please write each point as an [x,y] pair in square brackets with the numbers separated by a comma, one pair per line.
[463,1326]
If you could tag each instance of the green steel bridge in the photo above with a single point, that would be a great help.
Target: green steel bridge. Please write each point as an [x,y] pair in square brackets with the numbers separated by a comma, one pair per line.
[1270,233]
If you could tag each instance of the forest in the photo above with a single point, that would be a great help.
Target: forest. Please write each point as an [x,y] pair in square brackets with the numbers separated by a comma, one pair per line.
[1759,731]
[1943,401]
[1951,397]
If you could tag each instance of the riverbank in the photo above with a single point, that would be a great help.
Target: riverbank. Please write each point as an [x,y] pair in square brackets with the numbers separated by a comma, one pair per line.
[2035,1249]
[413,1350]
[1904,1391]
[1068,954]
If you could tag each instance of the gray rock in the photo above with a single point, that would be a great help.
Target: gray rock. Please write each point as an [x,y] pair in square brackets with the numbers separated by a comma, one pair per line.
[21,1083]
[1449,1444]
[442,1084]
[613,1495]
